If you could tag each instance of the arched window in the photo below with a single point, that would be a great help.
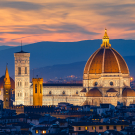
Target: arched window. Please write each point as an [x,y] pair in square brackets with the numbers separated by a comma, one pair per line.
[50,92]
[25,70]
[19,70]
[35,88]
[40,88]
[63,92]
[76,92]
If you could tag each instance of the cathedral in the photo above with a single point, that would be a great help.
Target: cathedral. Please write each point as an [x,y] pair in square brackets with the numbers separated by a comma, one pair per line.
[106,79]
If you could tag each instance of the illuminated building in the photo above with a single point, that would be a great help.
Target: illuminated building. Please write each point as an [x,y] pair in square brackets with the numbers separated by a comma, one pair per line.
[106,79]
[22,78]
[7,90]
[37,91]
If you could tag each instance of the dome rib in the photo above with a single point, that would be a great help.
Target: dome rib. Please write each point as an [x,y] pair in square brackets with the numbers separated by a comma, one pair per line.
[96,64]
[122,63]
[116,60]
[87,66]
[110,63]
[103,61]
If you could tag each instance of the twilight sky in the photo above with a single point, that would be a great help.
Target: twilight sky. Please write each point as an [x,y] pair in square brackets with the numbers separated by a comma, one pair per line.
[65,20]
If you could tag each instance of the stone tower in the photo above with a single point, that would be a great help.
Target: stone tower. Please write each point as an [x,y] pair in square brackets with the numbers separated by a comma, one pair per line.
[7,88]
[22,78]
[37,91]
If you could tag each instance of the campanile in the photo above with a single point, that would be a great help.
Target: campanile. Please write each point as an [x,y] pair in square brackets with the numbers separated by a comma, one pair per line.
[22,78]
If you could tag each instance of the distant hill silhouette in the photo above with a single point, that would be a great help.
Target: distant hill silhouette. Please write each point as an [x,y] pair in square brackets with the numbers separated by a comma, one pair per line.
[76,69]
[45,54]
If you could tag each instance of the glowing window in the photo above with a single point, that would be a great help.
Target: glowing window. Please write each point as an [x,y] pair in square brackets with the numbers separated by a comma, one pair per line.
[93,128]
[44,132]
[36,131]
[86,128]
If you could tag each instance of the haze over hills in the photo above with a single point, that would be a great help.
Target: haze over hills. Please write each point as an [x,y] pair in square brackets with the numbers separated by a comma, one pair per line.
[47,54]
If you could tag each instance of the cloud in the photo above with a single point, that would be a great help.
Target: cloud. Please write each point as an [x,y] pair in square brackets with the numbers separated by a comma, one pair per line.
[2,39]
[54,28]
[20,5]
[111,9]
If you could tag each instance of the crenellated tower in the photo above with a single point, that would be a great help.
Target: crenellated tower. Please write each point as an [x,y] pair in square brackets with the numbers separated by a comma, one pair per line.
[37,91]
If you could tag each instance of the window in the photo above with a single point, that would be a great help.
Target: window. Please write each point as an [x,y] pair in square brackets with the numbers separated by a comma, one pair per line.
[18,84]
[19,70]
[79,128]
[93,128]
[18,94]
[35,88]
[40,88]
[100,127]
[44,131]
[86,128]
[114,127]
[107,127]
[26,83]
[111,83]
[6,99]
[50,92]
[76,92]
[36,131]
[25,70]
[26,94]
[121,127]
[96,83]
[63,92]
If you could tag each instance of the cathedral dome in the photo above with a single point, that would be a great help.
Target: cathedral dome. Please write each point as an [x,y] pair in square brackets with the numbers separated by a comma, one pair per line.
[93,93]
[128,92]
[106,60]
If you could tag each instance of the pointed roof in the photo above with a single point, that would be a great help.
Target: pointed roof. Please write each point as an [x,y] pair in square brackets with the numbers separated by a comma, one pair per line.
[105,40]
[7,78]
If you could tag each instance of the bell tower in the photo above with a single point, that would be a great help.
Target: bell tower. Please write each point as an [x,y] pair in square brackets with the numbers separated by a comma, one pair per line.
[22,78]
[37,91]
[7,88]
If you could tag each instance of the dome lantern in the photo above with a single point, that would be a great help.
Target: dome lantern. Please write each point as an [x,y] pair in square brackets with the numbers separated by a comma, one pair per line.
[105,41]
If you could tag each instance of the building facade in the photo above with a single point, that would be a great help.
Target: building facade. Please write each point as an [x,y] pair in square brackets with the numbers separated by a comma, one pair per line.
[106,79]
[22,78]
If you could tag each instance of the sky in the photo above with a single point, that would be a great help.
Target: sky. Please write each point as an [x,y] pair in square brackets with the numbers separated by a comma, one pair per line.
[65,20]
